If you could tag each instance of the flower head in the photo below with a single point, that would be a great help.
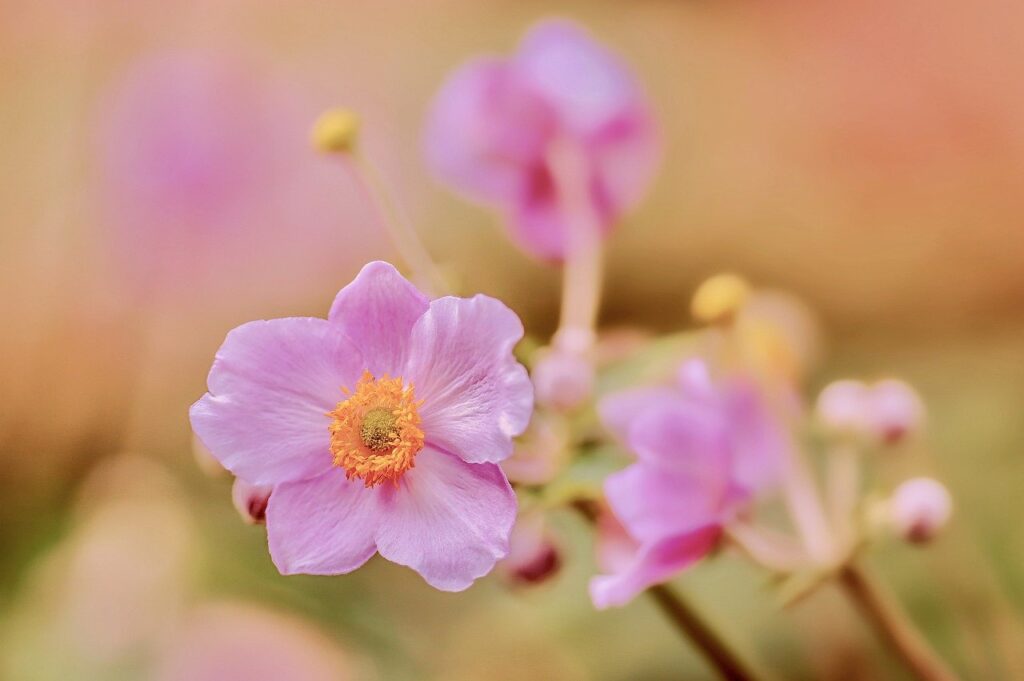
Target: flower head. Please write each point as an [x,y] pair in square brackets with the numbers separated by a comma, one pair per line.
[379,428]
[496,121]
[919,509]
[704,450]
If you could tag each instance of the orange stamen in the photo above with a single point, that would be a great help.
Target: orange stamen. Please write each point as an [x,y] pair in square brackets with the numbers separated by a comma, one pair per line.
[375,434]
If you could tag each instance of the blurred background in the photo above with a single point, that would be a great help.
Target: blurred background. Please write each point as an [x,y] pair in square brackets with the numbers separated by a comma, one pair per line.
[158,189]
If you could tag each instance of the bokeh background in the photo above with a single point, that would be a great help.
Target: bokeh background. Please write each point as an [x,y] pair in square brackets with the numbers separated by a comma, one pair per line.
[157,189]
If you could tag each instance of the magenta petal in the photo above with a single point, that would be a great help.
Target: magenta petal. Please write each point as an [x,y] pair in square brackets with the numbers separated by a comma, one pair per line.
[654,563]
[686,437]
[270,388]
[653,502]
[476,396]
[377,311]
[323,526]
[448,520]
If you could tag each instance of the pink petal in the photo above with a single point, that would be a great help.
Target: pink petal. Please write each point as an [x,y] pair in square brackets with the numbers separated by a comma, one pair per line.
[323,526]
[270,388]
[485,130]
[685,437]
[476,396]
[620,410]
[654,564]
[653,502]
[448,520]
[377,311]
[588,85]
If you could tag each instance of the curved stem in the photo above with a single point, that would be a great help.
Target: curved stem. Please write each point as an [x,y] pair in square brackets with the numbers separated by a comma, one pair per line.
[399,228]
[694,629]
[893,626]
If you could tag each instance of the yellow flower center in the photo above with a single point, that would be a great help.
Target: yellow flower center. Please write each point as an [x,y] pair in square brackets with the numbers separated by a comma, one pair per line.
[375,434]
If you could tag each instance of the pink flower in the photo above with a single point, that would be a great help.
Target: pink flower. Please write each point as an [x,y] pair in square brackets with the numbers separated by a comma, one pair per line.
[379,428]
[703,452]
[206,179]
[496,120]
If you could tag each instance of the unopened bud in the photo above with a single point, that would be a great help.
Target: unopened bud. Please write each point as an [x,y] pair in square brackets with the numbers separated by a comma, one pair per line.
[896,410]
[335,131]
[250,501]
[563,380]
[719,298]
[533,556]
[843,406]
[919,509]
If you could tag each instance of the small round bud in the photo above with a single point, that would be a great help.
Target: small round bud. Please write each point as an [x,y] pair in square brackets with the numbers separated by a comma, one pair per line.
[919,509]
[533,555]
[335,131]
[844,407]
[719,298]
[896,410]
[562,380]
[250,501]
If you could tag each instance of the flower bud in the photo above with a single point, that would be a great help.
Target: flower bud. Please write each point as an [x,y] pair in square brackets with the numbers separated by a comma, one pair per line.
[896,410]
[719,298]
[563,380]
[843,406]
[919,509]
[335,131]
[533,556]
[250,501]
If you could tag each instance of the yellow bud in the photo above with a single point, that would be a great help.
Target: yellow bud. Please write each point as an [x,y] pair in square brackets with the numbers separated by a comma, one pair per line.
[719,298]
[335,131]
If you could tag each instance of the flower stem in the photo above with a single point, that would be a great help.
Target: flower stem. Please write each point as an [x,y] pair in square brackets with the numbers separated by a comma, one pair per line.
[399,228]
[584,253]
[688,622]
[893,626]
[693,628]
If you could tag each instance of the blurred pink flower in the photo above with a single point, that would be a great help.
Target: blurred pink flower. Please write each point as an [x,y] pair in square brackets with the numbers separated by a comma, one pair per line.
[406,463]
[886,412]
[229,642]
[703,452]
[496,120]
[207,180]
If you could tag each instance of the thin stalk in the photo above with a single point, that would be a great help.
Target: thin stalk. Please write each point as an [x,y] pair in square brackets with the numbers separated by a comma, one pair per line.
[806,509]
[398,226]
[893,626]
[694,629]
[842,485]
[583,267]
[686,620]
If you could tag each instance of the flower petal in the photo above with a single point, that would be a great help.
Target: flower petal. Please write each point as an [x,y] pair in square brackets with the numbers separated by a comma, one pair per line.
[620,410]
[485,130]
[270,388]
[377,311]
[654,563]
[654,502]
[448,520]
[322,526]
[476,396]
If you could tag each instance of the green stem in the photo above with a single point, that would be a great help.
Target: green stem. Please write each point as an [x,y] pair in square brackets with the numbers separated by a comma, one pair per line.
[893,626]
[695,629]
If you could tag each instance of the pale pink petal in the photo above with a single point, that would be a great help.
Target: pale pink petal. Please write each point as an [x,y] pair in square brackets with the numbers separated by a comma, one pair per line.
[760,443]
[448,520]
[486,131]
[653,502]
[377,311]
[270,388]
[476,396]
[685,437]
[620,410]
[654,563]
[323,526]
[589,86]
